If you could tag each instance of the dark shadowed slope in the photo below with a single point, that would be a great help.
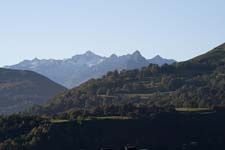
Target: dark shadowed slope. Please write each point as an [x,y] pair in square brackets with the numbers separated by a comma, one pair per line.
[168,131]
[21,89]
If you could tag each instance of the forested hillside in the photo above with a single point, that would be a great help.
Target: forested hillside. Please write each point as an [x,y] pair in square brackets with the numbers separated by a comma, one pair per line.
[199,82]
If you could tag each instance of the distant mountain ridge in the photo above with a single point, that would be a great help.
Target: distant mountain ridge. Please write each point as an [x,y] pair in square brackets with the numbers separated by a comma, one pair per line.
[20,90]
[160,61]
[80,68]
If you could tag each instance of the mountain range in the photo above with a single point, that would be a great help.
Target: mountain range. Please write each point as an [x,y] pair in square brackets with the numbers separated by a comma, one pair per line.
[198,82]
[73,71]
[19,90]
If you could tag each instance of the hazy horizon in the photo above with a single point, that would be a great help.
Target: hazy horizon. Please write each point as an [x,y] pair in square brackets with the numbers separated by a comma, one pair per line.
[45,29]
[85,51]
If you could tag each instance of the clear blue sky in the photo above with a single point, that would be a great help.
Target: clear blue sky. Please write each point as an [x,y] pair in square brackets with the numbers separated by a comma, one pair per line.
[178,29]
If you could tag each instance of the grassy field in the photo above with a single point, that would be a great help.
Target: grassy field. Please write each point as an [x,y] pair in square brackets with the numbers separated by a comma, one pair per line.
[145,94]
[183,109]
[193,109]
[140,95]
[58,121]
[113,118]
[108,118]
[93,118]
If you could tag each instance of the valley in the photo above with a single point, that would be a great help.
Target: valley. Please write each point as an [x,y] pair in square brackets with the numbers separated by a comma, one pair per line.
[177,106]
[112,75]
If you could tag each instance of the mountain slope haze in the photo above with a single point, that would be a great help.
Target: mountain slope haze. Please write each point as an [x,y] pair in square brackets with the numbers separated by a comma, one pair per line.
[80,68]
[20,90]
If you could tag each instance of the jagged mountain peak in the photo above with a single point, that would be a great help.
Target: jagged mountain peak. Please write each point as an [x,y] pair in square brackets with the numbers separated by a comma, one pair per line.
[88,58]
[89,53]
[36,59]
[86,54]
[138,57]
[157,57]
[137,53]
[113,56]
[160,60]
